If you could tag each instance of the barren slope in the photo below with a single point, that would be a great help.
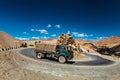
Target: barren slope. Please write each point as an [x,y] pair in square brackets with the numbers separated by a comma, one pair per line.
[109,42]
[10,70]
[88,45]
[7,41]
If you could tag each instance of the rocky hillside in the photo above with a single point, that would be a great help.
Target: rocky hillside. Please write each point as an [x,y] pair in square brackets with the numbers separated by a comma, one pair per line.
[113,42]
[109,42]
[115,48]
[7,40]
[88,45]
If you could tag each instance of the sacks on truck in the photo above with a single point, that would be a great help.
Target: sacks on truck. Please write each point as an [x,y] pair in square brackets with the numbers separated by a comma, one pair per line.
[66,39]
[46,47]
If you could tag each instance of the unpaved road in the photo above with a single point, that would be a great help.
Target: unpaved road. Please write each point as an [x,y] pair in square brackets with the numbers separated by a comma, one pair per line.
[16,66]
[95,60]
[97,68]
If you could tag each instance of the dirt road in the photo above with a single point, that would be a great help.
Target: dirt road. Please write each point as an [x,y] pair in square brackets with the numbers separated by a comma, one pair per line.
[27,67]
[95,69]
[93,60]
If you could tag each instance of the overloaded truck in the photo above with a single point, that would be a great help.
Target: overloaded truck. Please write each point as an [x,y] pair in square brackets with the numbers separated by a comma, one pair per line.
[62,53]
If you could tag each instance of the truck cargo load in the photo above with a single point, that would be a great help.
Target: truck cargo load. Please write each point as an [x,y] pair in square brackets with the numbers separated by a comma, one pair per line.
[46,47]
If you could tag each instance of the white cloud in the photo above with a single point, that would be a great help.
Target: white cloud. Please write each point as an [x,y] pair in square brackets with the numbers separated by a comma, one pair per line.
[82,35]
[46,33]
[49,25]
[43,31]
[58,26]
[54,35]
[21,38]
[99,38]
[44,37]
[32,29]
[76,34]
[35,37]
[68,32]
[25,33]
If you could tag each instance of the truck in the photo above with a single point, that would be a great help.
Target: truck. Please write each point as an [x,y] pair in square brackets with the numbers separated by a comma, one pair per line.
[62,53]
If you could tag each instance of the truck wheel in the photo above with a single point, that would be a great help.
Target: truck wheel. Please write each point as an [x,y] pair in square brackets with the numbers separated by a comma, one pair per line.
[62,59]
[40,55]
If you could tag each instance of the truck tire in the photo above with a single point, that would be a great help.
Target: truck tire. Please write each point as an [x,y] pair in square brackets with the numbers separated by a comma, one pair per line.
[40,55]
[62,59]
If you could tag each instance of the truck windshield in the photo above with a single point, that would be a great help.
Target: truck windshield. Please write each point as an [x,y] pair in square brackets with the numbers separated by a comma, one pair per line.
[65,48]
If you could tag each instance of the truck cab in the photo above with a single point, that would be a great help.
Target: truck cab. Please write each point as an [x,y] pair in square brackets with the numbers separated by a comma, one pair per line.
[64,53]
[64,50]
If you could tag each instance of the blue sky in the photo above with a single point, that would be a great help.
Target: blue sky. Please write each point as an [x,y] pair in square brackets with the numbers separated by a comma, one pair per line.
[87,19]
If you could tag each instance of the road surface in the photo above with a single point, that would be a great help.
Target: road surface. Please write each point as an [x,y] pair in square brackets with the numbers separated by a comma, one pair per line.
[96,68]
[95,60]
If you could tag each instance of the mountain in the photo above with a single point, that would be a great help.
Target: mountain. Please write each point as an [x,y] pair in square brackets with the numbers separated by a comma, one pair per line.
[113,42]
[116,48]
[7,40]
[109,42]
[88,45]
